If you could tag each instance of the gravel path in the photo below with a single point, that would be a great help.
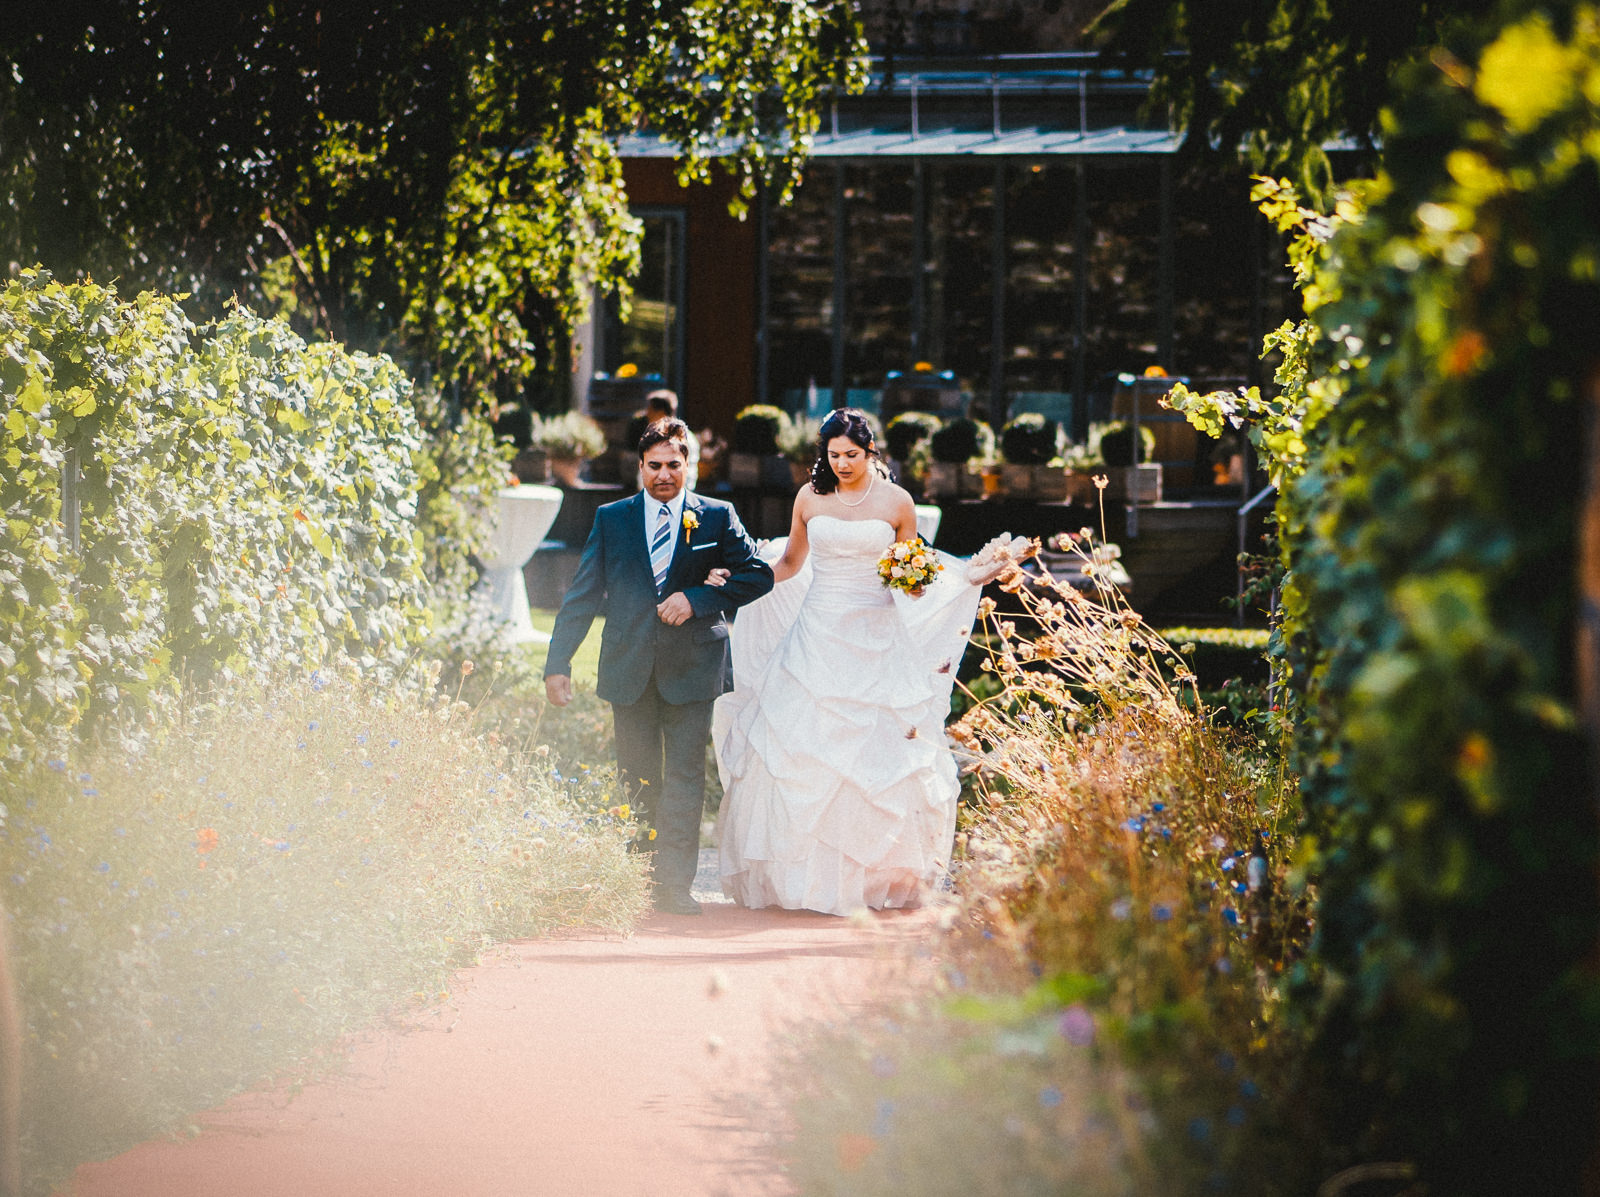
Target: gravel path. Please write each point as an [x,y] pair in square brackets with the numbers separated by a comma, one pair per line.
[582,1065]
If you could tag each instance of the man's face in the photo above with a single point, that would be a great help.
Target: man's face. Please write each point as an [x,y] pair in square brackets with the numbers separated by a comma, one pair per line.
[663,467]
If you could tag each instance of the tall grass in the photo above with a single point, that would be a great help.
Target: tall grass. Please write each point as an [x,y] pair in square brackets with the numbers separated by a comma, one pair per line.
[1120,939]
[271,869]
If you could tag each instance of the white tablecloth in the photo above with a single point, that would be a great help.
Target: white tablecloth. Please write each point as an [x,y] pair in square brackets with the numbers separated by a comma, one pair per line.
[928,516]
[526,513]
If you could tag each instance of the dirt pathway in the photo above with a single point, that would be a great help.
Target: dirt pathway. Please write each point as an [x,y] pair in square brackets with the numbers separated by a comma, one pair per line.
[579,1065]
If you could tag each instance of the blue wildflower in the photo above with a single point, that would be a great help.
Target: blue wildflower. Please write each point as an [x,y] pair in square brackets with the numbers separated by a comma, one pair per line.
[1161,912]
[1200,1129]
[102,867]
[1121,909]
[1134,824]
[90,792]
[312,726]
[1230,916]
[1158,807]
[58,766]
[361,737]
[394,743]
[1227,865]
[880,1123]
[1236,1115]
[1249,1089]
[1225,1061]
[1049,1097]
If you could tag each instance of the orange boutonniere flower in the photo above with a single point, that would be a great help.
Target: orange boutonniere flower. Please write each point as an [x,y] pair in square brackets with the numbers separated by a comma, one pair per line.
[690,521]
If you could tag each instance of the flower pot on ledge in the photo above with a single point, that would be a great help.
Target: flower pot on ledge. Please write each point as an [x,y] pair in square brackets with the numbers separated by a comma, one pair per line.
[567,471]
[1135,484]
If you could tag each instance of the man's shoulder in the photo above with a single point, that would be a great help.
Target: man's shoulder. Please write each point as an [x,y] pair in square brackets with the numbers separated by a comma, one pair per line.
[707,503]
[617,506]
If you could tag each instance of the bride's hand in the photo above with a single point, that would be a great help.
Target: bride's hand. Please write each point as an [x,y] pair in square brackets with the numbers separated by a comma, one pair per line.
[718,576]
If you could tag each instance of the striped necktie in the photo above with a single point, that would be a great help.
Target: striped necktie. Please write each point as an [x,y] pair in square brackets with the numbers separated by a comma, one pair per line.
[661,547]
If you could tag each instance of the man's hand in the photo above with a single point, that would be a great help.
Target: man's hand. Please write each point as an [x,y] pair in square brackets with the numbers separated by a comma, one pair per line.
[675,609]
[558,689]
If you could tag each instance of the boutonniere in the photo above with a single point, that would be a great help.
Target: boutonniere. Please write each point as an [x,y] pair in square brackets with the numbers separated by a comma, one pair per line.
[690,521]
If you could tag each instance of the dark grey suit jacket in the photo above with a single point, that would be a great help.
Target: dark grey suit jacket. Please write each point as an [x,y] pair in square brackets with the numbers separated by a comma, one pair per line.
[691,662]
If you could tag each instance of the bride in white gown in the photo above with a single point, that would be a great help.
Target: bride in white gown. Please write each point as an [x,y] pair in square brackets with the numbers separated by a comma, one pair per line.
[839,789]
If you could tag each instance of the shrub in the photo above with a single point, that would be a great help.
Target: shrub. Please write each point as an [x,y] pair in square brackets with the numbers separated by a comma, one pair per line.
[759,429]
[798,440]
[572,434]
[961,440]
[907,431]
[248,501]
[1116,444]
[190,918]
[1030,439]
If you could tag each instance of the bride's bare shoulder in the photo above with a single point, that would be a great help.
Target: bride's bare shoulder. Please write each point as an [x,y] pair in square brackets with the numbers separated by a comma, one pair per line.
[899,497]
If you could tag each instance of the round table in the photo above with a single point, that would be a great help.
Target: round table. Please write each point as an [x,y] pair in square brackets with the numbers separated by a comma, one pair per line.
[526,513]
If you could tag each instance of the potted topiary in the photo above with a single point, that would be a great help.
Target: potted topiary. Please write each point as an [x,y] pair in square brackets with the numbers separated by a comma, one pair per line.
[755,455]
[568,440]
[1132,475]
[906,445]
[1028,444]
[798,441]
[955,448]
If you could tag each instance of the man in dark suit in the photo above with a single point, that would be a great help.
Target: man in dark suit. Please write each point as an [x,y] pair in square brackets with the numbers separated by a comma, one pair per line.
[664,653]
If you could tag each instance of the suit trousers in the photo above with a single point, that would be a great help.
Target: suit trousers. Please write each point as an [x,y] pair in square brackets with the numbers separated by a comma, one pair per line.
[661,755]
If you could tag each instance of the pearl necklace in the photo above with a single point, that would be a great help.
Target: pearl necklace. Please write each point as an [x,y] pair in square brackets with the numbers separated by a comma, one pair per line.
[871,478]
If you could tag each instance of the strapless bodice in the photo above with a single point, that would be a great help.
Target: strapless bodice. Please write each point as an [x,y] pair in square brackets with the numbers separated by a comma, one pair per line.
[844,560]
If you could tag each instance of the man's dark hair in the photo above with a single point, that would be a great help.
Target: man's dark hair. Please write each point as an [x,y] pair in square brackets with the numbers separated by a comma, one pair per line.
[662,431]
[663,401]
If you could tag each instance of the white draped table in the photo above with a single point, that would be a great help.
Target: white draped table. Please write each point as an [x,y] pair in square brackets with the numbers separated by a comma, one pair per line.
[526,513]
[928,517]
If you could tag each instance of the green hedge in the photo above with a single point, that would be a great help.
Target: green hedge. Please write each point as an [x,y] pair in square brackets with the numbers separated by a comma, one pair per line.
[1444,767]
[247,500]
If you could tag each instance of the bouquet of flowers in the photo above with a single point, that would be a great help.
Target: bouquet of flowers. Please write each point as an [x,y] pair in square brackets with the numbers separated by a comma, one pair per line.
[909,565]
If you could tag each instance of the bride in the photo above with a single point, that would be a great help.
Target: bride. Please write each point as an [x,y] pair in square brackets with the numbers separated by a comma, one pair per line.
[839,790]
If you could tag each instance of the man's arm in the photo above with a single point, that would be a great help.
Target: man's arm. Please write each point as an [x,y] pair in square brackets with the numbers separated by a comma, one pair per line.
[578,609]
[749,577]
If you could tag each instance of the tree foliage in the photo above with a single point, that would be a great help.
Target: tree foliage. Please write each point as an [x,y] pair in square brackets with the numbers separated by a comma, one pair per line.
[1280,78]
[435,180]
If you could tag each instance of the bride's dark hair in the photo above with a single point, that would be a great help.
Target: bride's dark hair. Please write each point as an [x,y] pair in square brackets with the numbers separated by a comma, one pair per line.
[847,422]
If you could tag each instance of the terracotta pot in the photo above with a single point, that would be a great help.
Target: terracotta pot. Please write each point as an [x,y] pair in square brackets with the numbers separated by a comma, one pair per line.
[566,470]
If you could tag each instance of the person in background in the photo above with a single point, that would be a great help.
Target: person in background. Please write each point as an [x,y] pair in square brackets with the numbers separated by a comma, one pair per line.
[662,404]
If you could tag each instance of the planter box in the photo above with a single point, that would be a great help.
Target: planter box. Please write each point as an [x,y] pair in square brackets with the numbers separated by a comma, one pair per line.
[1135,484]
[1042,483]
[944,480]
[1080,487]
[752,469]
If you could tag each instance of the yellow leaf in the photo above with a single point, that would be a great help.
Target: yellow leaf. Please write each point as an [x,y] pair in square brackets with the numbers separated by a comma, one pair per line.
[1527,74]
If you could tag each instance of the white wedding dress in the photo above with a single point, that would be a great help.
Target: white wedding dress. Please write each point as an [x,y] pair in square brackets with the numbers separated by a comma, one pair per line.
[839,788]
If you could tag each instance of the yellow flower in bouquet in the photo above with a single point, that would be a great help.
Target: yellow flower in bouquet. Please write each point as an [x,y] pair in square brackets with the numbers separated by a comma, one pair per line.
[908,565]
